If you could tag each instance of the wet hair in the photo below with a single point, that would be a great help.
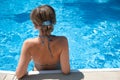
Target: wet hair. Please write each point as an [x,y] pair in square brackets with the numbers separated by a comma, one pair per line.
[43,14]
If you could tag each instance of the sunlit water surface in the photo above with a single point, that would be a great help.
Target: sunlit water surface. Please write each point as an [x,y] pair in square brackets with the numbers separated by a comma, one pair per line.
[92,29]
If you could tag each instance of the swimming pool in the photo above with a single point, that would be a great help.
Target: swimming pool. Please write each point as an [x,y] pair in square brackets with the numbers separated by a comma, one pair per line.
[92,29]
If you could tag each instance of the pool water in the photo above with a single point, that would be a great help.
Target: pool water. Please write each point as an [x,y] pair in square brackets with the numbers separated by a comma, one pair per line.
[91,26]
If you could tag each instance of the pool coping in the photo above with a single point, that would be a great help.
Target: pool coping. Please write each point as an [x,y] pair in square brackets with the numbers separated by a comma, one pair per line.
[79,74]
[59,71]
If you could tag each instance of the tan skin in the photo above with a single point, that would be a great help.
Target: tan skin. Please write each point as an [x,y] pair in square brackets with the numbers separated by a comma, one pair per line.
[33,49]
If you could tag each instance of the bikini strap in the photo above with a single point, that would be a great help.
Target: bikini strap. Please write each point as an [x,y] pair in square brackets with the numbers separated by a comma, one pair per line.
[49,39]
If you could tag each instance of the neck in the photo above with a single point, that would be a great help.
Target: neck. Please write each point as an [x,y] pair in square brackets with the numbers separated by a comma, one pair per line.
[42,33]
[46,36]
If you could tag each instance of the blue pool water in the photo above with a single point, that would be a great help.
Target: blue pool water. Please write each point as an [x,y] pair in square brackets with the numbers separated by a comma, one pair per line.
[91,26]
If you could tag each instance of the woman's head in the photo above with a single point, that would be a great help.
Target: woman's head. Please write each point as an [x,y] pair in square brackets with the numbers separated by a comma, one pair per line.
[44,18]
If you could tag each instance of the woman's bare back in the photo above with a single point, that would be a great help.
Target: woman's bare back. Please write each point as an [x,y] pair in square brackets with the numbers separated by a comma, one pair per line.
[43,58]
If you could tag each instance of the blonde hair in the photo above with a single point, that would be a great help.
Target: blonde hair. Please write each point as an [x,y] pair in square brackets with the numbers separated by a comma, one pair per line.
[41,14]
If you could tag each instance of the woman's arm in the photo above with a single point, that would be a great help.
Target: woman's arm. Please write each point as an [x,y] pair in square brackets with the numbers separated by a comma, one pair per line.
[24,60]
[64,57]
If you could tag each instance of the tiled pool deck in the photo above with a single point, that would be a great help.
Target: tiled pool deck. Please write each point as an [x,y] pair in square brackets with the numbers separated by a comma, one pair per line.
[82,74]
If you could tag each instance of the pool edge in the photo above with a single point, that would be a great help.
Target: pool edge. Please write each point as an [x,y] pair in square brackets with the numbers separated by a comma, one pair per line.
[79,74]
[59,71]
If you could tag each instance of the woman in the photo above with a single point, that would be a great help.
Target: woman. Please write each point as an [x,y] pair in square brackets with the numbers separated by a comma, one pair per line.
[47,51]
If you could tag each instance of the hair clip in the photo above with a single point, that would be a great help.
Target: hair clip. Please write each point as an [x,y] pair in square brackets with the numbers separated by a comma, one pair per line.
[46,23]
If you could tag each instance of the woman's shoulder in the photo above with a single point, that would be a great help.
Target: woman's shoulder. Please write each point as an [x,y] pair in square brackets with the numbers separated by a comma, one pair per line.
[62,38]
[31,41]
